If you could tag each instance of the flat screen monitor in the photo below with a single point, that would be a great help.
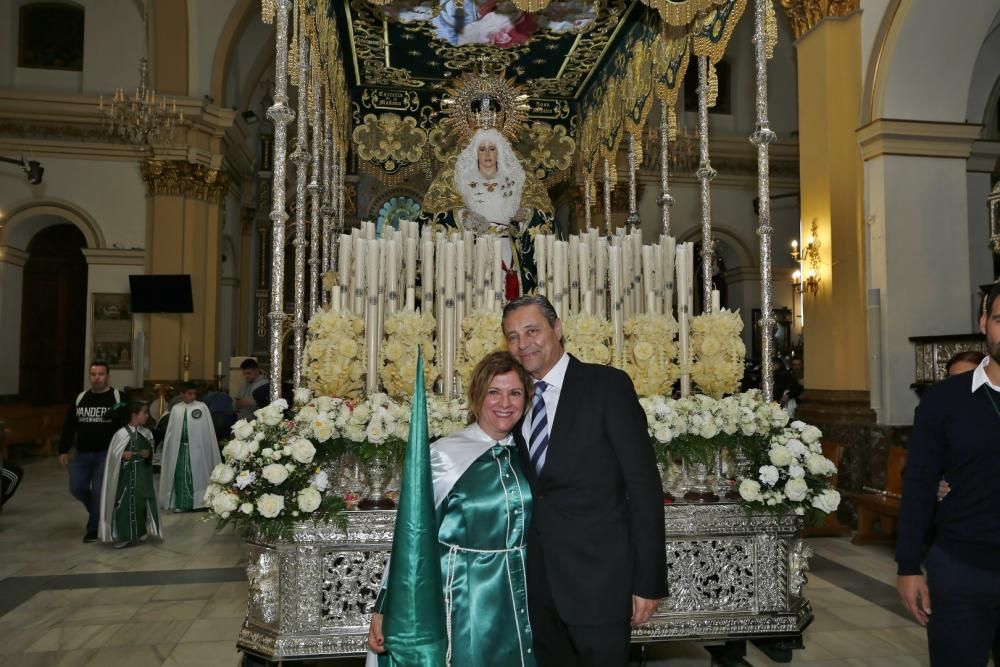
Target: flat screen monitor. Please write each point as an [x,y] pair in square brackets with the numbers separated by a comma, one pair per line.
[161,293]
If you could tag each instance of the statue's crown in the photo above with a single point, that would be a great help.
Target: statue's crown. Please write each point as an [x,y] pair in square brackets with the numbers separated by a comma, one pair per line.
[483,100]
[486,117]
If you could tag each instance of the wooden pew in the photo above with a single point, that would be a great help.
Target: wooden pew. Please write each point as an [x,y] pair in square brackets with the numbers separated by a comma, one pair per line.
[882,505]
[831,526]
[37,426]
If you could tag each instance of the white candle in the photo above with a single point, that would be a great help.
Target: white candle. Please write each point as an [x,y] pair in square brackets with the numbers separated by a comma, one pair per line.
[346,245]
[411,262]
[601,277]
[371,315]
[574,274]
[540,264]
[335,298]
[460,282]
[218,368]
[498,283]
[560,261]
[588,302]
[439,292]
[449,318]
[584,259]
[647,278]
[716,301]
[360,255]
[650,302]
[550,241]
[392,276]
[614,269]
[411,296]
[427,275]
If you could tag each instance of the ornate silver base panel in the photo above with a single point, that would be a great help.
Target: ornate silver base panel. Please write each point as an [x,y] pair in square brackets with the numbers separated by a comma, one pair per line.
[731,574]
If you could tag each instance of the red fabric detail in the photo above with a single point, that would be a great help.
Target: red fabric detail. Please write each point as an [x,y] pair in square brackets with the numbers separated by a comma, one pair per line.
[512,288]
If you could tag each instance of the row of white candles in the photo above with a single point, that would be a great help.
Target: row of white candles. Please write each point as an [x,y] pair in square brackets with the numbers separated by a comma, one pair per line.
[461,274]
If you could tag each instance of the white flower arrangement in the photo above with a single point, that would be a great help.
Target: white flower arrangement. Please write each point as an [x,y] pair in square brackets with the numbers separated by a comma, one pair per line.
[588,338]
[445,417]
[273,468]
[651,354]
[790,473]
[733,418]
[405,331]
[481,334]
[717,352]
[334,360]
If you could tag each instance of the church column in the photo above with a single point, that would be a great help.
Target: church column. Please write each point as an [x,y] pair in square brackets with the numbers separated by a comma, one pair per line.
[919,245]
[184,235]
[828,54]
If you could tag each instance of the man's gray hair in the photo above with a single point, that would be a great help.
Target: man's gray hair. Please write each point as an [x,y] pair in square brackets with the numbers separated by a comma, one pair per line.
[548,310]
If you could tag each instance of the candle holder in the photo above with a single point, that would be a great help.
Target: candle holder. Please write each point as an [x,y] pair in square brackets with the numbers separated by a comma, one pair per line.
[186,375]
[218,381]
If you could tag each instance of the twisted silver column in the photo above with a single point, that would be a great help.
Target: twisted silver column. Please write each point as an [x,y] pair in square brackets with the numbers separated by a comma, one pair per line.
[666,199]
[586,200]
[316,133]
[705,175]
[327,209]
[761,138]
[300,157]
[633,213]
[280,115]
[607,198]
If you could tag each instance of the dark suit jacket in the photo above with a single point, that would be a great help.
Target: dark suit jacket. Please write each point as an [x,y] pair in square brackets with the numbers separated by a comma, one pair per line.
[597,526]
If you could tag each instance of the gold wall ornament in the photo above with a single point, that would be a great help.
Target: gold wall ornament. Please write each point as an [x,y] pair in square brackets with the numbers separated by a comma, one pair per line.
[549,147]
[804,15]
[179,177]
[389,140]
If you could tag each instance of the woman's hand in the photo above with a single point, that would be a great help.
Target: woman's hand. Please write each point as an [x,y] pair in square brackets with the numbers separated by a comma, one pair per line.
[127,456]
[375,638]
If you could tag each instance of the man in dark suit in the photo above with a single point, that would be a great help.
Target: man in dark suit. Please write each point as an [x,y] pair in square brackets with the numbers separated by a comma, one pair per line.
[596,555]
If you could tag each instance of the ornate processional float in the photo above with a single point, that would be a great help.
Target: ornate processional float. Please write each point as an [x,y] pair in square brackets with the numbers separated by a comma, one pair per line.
[311,483]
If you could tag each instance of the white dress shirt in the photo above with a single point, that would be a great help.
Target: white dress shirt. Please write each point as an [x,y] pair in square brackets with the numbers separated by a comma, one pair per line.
[979,377]
[555,379]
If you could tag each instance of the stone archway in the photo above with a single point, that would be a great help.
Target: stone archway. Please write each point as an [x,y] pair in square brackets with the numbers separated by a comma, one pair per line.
[26,223]
[53,316]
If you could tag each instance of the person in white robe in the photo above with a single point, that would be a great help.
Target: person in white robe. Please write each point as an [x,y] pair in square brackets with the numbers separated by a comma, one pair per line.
[190,452]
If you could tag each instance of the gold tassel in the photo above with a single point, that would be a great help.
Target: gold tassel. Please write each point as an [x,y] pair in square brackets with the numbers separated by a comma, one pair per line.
[771,32]
[713,85]
[671,124]
[267,11]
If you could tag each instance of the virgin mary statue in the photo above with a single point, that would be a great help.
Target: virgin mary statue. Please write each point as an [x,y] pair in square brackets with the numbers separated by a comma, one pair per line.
[486,190]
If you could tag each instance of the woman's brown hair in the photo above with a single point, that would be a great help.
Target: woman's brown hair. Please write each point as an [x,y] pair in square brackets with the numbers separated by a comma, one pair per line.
[490,366]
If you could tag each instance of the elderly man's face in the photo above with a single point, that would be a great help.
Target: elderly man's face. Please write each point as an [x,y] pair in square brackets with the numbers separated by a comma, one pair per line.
[487,158]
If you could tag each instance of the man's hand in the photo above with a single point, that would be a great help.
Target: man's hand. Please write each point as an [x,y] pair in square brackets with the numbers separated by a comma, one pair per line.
[126,455]
[917,600]
[375,638]
[64,460]
[642,609]
[943,490]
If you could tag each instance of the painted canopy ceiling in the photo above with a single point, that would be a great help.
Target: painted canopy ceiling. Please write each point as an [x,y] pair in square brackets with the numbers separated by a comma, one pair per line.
[418,45]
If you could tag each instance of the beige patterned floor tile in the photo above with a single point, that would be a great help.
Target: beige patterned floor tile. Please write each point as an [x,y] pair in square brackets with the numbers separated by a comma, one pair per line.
[170,610]
[72,637]
[130,656]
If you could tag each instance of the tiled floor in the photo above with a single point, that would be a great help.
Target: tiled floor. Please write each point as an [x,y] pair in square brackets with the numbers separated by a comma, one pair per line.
[181,602]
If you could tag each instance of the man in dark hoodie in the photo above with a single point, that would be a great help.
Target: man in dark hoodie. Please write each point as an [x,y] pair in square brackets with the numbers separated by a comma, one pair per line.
[89,425]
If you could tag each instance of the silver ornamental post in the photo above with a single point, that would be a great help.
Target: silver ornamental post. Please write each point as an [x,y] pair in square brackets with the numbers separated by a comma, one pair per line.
[280,115]
[705,175]
[316,131]
[761,137]
[300,156]
[633,212]
[666,199]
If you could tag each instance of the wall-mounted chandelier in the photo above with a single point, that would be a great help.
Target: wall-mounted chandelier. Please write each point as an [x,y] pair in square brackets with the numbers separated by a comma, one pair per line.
[142,117]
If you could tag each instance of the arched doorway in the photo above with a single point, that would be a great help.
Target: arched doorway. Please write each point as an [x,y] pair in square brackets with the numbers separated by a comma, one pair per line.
[53,316]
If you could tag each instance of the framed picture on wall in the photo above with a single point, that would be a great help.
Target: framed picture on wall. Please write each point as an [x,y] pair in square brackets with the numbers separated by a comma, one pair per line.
[112,330]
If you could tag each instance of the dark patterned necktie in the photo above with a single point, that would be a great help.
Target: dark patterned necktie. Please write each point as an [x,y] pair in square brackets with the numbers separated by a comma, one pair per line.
[539,442]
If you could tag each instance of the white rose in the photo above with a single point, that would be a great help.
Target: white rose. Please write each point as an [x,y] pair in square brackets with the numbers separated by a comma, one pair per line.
[811,434]
[749,490]
[796,472]
[781,456]
[361,413]
[246,508]
[768,475]
[245,479]
[252,447]
[309,499]
[322,429]
[820,465]
[223,474]
[243,430]
[235,450]
[280,405]
[270,505]
[797,448]
[271,415]
[709,430]
[277,454]
[302,450]
[302,395]
[320,481]
[662,434]
[324,403]
[225,502]
[266,452]
[275,474]
[828,501]
[306,414]
[796,489]
[211,491]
